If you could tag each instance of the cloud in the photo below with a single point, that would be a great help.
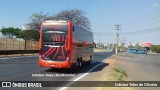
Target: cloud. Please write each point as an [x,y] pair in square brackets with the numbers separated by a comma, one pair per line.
[155,4]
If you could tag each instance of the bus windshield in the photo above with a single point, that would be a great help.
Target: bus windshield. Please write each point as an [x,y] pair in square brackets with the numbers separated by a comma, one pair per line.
[54,33]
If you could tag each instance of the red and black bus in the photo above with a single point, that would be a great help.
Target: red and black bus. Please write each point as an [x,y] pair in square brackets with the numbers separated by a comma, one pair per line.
[63,44]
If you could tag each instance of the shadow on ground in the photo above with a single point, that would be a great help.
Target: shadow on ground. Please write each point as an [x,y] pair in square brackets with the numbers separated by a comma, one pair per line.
[84,69]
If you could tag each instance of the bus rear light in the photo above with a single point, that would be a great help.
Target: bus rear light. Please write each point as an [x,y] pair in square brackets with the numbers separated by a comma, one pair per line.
[67,58]
[68,55]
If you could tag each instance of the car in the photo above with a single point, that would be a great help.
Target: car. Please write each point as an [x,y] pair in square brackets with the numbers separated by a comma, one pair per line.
[132,50]
[141,51]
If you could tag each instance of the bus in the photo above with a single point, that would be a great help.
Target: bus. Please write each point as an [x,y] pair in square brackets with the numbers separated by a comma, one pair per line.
[64,45]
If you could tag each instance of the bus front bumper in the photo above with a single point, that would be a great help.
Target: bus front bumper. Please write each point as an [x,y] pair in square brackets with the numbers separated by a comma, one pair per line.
[54,64]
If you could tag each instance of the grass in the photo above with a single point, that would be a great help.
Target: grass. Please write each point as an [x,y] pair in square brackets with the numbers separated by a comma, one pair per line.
[119,74]
[114,73]
[151,52]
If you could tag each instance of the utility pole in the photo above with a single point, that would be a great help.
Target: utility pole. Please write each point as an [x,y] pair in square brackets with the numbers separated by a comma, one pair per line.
[124,39]
[67,6]
[117,28]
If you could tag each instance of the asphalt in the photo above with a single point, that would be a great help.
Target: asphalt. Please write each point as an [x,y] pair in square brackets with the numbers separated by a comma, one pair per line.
[141,67]
[23,69]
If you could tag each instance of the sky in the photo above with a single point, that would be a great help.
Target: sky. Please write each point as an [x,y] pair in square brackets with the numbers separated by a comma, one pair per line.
[138,16]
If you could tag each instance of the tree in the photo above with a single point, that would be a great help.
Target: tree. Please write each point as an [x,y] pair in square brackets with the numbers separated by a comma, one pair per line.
[36,20]
[10,32]
[29,35]
[75,15]
[155,48]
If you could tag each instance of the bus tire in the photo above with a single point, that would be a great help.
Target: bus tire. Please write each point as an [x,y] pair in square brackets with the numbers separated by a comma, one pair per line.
[90,60]
[78,63]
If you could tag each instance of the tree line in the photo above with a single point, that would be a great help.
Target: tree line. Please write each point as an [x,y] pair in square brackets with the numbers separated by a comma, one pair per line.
[32,33]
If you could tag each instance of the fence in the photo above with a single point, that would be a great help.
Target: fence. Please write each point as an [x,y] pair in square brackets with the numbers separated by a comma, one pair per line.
[14,44]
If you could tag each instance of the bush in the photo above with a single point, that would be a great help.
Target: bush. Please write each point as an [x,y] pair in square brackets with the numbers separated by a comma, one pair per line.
[29,35]
[156,48]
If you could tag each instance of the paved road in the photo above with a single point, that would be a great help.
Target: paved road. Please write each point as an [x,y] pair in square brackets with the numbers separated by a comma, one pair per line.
[22,69]
[141,67]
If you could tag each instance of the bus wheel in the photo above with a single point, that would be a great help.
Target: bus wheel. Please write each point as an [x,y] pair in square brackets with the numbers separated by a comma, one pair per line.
[90,60]
[79,63]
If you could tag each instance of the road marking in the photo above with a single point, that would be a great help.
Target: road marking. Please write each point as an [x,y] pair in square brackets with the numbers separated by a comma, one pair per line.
[4,58]
[16,57]
[83,75]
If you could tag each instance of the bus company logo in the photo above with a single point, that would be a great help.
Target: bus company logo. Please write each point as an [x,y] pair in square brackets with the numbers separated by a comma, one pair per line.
[6,84]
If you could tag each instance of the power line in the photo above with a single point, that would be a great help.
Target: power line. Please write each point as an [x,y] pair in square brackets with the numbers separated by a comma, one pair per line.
[128,33]
[146,30]
[144,18]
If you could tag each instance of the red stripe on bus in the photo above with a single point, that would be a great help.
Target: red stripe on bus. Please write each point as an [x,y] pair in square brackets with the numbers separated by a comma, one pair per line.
[66,43]
[50,52]
[56,53]
[49,48]
[55,37]
[63,51]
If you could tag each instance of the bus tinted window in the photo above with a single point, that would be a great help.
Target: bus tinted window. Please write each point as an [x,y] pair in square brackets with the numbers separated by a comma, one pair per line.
[54,32]
[55,27]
